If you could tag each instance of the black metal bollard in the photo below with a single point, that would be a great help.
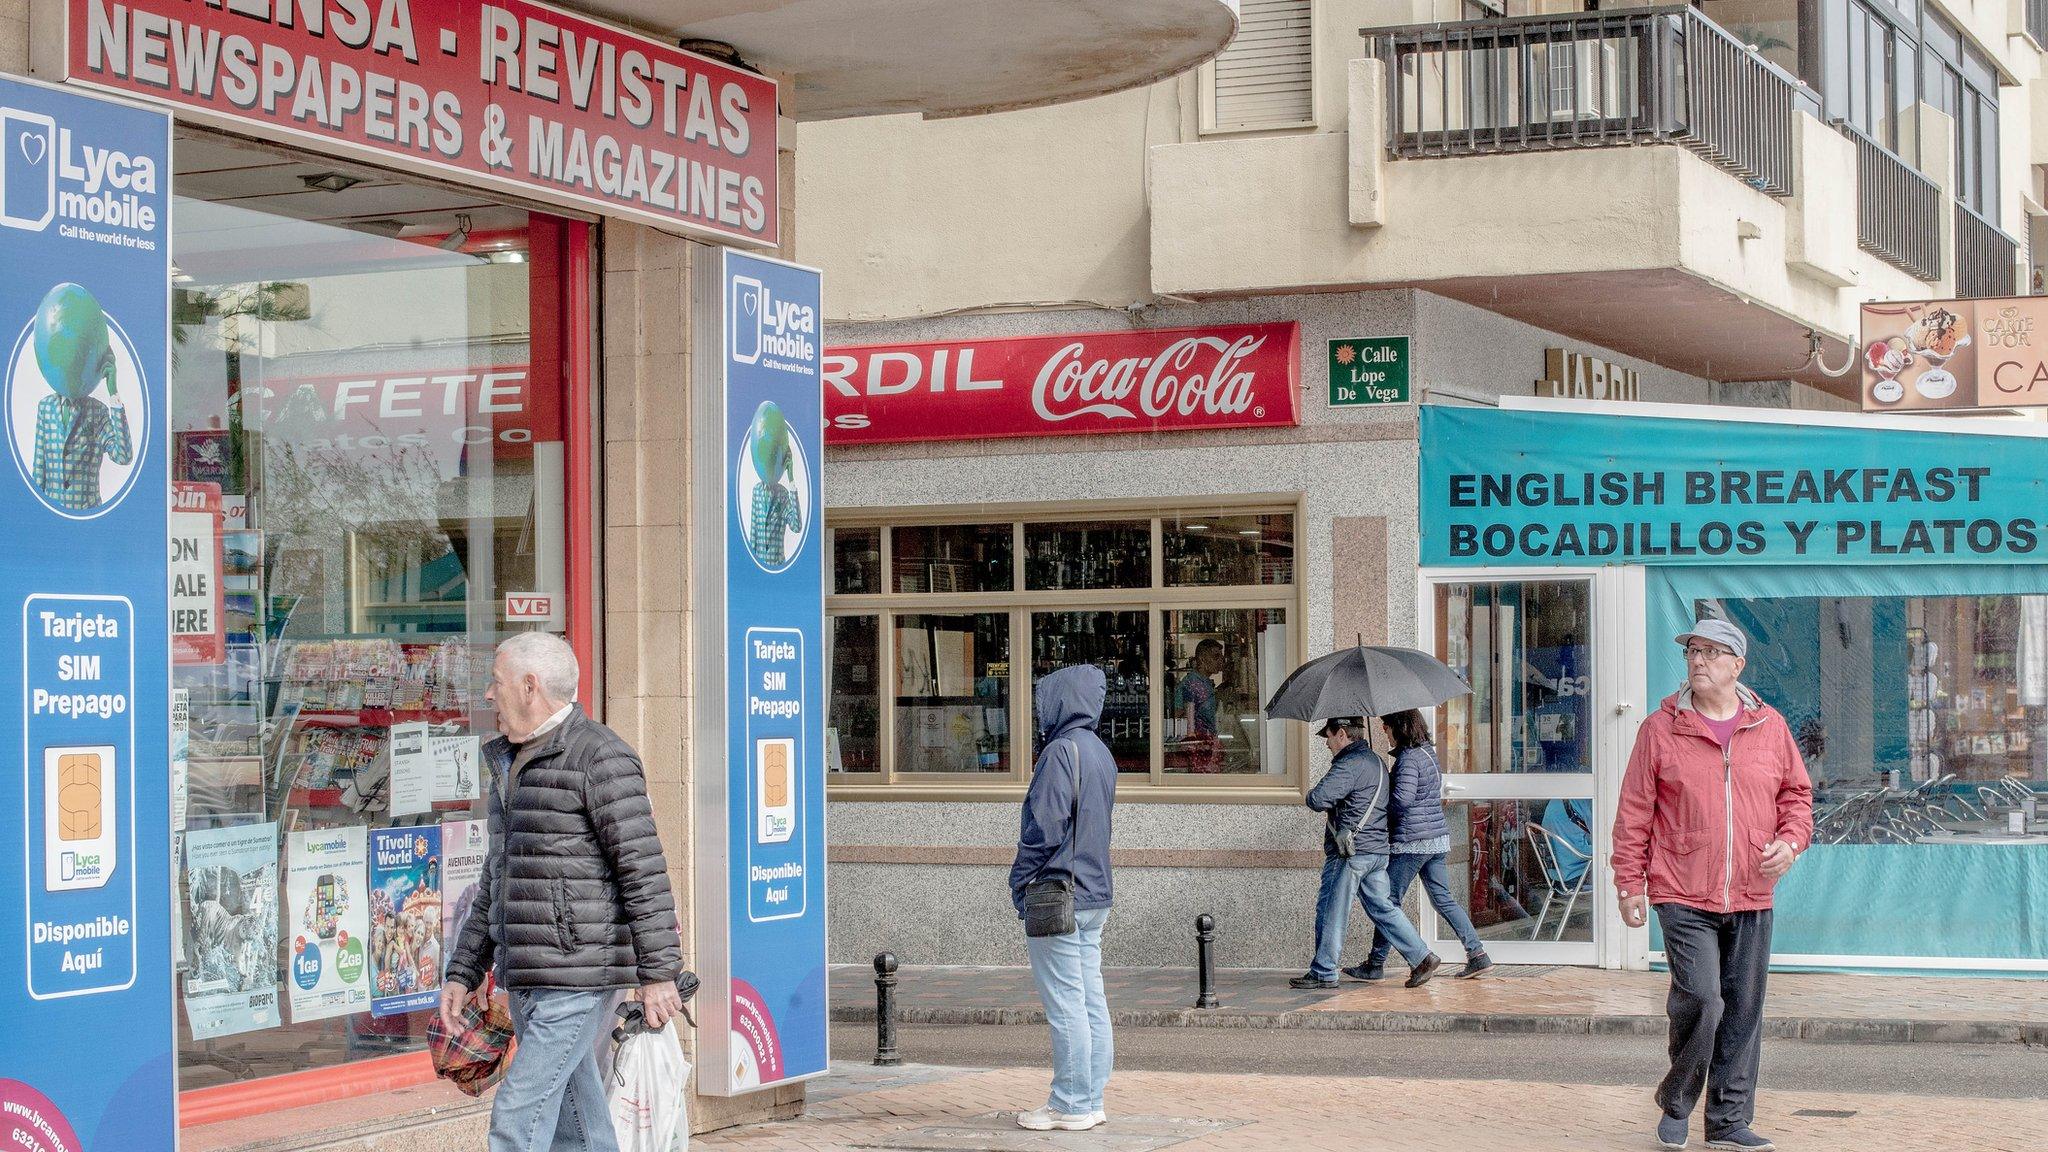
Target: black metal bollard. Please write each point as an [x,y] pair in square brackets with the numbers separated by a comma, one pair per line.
[885,1011]
[1205,960]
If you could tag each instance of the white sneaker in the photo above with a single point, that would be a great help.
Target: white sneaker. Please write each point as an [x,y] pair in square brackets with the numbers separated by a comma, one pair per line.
[1047,1120]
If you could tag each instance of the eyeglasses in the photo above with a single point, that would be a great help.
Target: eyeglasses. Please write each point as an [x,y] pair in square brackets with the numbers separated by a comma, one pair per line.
[1702,652]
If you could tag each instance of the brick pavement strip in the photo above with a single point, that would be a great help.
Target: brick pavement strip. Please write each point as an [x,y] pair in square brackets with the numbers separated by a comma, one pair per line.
[1295,1113]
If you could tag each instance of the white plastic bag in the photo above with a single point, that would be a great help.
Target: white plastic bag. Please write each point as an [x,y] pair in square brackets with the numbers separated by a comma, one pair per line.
[649,1111]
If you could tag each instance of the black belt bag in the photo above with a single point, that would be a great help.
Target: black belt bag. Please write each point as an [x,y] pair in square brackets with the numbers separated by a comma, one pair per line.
[1049,900]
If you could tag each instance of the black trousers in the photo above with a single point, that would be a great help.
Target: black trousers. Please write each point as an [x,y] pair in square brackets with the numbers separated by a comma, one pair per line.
[1718,965]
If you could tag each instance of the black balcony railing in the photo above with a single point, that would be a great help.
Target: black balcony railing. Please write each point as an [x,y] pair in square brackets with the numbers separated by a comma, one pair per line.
[1987,260]
[1647,76]
[1898,211]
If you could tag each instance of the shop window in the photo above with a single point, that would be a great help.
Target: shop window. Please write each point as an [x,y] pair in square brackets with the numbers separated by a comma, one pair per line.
[1228,549]
[855,657]
[368,440]
[1526,649]
[952,691]
[856,560]
[1222,665]
[1187,613]
[1119,643]
[1096,554]
[1524,869]
[954,558]
[1923,722]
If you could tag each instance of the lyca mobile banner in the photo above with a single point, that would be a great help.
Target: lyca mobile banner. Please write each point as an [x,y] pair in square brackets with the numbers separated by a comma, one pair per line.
[1558,489]
[532,98]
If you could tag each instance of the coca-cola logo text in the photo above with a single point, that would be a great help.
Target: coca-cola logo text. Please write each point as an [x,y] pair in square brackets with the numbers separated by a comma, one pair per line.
[1228,376]
[1070,385]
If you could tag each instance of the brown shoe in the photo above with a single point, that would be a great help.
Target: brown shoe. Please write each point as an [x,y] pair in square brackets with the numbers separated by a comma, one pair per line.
[1424,970]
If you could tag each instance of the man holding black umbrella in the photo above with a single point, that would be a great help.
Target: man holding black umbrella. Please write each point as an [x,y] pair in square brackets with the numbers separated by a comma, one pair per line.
[1353,794]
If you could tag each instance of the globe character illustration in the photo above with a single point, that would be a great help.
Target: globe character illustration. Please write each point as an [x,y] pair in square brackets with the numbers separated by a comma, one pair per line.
[775,507]
[76,432]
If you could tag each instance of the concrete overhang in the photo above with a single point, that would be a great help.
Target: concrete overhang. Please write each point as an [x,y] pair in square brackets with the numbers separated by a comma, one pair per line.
[944,57]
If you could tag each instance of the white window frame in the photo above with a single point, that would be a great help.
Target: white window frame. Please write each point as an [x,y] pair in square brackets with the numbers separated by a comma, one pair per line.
[1206,88]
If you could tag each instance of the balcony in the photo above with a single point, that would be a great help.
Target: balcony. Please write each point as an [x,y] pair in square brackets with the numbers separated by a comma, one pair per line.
[1898,210]
[1649,76]
[1636,179]
[1987,260]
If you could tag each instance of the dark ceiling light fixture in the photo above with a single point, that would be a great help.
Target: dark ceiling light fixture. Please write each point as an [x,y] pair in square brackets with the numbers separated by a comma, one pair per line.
[329,181]
[460,236]
[717,50]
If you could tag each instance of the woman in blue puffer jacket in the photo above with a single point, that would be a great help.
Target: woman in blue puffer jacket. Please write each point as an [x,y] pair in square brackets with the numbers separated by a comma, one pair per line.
[1421,843]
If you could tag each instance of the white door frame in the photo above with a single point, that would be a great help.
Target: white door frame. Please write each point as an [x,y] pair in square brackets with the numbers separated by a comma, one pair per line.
[1618,708]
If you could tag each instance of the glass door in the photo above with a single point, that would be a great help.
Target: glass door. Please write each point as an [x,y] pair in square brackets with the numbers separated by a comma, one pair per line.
[1519,760]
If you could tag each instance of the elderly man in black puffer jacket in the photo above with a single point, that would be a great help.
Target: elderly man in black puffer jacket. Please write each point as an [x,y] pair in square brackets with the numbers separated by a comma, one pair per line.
[574,903]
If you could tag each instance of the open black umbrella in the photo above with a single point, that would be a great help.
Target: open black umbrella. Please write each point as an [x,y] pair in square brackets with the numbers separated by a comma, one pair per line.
[1365,681]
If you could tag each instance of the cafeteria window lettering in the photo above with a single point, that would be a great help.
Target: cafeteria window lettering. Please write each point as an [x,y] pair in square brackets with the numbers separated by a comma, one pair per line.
[1189,613]
[369,467]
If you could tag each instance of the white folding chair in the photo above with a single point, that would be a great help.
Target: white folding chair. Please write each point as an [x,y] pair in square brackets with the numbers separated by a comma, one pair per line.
[1547,844]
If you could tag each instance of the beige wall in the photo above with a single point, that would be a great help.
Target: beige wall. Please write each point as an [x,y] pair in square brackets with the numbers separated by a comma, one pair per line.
[912,218]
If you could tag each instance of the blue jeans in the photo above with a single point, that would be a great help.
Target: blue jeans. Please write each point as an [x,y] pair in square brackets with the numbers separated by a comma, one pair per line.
[552,1099]
[1367,877]
[1068,970]
[1402,870]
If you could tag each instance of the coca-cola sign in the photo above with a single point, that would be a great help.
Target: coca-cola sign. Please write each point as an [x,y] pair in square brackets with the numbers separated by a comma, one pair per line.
[1170,379]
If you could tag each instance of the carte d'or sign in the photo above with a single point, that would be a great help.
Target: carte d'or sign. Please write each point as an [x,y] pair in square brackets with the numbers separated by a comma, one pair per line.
[1946,355]
[531,99]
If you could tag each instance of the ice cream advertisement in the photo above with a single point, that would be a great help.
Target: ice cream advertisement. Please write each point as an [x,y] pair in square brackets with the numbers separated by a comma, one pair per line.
[327,910]
[1947,355]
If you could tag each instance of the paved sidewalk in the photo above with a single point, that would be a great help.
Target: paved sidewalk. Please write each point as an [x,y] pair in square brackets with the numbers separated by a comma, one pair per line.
[1816,1007]
[941,1110]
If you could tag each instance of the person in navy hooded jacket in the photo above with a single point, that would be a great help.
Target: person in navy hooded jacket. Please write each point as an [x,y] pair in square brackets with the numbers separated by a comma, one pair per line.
[1065,831]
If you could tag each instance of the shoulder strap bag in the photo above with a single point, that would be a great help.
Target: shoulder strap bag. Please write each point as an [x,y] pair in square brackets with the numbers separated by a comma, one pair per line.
[1049,900]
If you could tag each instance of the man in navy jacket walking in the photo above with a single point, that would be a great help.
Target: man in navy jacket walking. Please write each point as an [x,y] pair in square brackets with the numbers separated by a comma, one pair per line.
[1354,795]
[1065,832]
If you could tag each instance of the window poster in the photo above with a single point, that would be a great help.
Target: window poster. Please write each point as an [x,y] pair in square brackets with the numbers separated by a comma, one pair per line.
[327,901]
[464,843]
[231,923]
[405,919]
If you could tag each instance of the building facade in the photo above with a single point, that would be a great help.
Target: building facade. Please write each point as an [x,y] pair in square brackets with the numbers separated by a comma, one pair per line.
[433,385]
[1538,202]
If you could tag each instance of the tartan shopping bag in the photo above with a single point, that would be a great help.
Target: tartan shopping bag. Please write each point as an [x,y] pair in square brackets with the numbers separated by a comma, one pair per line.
[474,1056]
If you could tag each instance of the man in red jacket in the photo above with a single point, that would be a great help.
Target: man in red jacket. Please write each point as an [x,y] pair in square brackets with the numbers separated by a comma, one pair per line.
[1715,807]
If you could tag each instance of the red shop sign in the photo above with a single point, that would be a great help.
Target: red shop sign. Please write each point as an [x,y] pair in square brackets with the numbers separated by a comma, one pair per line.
[514,94]
[1168,379]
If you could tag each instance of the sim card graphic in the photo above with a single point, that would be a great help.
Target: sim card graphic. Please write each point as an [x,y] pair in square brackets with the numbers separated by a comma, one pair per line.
[775,790]
[79,841]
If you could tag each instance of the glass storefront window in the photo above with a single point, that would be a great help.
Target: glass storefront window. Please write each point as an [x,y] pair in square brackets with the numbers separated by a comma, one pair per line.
[1228,549]
[1094,554]
[856,560]
[854,664]
[952,692]
[953,558]
[1211,604]
[1526,649]
[1923,720]
[1118,643]
[1524,868]
[369,408]
[1222,665]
